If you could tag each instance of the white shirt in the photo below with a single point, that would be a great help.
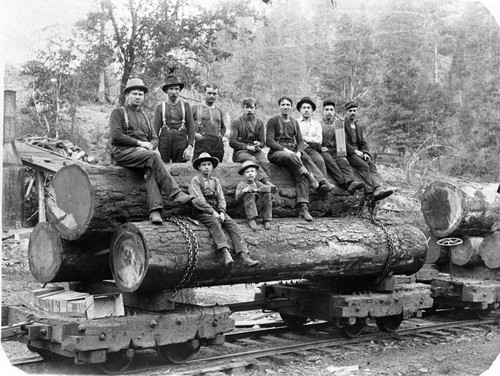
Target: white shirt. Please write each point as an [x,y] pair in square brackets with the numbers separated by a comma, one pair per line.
[311,130]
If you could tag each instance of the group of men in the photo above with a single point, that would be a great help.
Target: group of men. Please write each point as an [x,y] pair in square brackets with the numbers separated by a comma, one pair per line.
[310,149]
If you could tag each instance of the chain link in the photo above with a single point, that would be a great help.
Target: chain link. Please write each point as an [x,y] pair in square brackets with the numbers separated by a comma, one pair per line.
[371,210]
[192,245]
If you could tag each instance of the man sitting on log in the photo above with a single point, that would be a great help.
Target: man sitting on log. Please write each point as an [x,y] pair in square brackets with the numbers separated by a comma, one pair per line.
[255,195]
[210,209]
[247,138]
[335,160]
[134,142]
[286,149]
[173,123]
[312,136]
[358,154]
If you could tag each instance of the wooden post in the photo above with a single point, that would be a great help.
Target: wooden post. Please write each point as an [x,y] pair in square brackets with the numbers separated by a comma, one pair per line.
[13,169]
[40,179]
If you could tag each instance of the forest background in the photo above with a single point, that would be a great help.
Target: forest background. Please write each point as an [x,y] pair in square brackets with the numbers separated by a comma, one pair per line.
[425,73]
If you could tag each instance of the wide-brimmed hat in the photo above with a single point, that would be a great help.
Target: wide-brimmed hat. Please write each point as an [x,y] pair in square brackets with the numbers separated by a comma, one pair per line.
[306,100]
[205,157]
[350,104]
[135,83]
[328,102]
[172,80]
[246,165]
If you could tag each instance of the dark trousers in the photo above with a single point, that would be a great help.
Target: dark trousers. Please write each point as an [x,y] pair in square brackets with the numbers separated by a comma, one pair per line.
[257,157]
[216,230]
[293,164]
[210,144]
[258,203]
[158,178]
[339,168]
[315,164]
[172,144]
[367,172]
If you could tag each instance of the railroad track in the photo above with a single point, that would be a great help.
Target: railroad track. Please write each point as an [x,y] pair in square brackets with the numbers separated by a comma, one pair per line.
[258,349]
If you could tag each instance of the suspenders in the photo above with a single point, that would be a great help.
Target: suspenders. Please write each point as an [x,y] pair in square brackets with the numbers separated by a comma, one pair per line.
[127,122]
[199,110]
[164,120]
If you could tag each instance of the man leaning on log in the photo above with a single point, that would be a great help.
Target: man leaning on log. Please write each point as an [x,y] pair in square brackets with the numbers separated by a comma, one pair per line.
[135,146]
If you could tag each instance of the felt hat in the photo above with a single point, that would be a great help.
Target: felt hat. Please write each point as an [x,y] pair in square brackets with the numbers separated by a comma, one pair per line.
[205,157]
[306,100]
[350,104]
[172,80]
[328,102]
[246,165]
[135,83]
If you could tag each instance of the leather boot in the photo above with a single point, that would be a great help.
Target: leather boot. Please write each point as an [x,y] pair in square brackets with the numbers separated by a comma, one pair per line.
[226,257]
[267,225]
[245,260]
[380,193]
[354,186]
[325,187]
[253,224]
[155,217]
[181,198]
[304,212]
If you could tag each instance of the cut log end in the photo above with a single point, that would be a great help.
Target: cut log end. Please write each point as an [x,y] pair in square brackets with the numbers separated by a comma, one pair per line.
[489,250]
[442,208]
[467,253]
[128,258]
[44,252]
[69,202]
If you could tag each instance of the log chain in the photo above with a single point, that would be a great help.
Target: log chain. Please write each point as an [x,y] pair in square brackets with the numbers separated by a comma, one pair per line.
[371,208]
[192,243]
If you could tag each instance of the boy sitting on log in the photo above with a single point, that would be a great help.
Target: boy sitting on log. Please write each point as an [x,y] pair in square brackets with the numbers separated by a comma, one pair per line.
[210,209]
[256,196]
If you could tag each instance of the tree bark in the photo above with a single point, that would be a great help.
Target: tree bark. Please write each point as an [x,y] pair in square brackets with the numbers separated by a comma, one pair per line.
[489,250]
[85,202]
[461,209]
[52,259]
[467,253]
[145,257]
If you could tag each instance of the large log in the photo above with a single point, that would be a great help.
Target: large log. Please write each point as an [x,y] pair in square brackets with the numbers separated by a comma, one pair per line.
[461,209]
[489,250]
[436,254]
[85,202]
[52,259]
[144,257]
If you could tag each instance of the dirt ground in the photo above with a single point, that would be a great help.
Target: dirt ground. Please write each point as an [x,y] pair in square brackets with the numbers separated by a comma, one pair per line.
[466,354]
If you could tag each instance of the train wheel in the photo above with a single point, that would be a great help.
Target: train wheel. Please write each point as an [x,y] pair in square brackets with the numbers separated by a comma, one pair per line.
[178,353]
[116,362]
[482,314]
[353,331]
[47,354]
[389,324]
[292,320]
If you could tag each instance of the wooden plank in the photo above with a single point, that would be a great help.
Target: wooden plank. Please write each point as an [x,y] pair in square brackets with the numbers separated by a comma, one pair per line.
[40,189]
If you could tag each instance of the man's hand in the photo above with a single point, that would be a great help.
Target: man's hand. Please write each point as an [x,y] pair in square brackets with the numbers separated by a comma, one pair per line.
[288,151]
[251,148]
[359,153]
[216,216]
[256,144]
[198,136]
[146,145]
[367,157]
[188,153]
[299,154]
[222,217]
[324,149]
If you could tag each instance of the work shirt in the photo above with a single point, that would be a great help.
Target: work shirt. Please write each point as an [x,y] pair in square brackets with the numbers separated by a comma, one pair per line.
[174,117]
[244,133]
[311,131]
[256,185]
[328,132]
[209,120]
[281,133]
[209,196]
[139,127]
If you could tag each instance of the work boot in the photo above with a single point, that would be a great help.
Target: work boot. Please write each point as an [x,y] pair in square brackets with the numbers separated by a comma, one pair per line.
[226,257]
[304,212]
[267,225]
[155,217]
[325,187]
[253,224]
[313,183]
[246,260]
[181,198]
[354,186]
[380,193]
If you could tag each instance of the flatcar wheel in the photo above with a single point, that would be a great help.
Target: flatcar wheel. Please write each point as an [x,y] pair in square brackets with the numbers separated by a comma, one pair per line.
[353,331]
[47,354]
[116,362]
[482,314]
[177,353]
[293,321]
[389,324]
